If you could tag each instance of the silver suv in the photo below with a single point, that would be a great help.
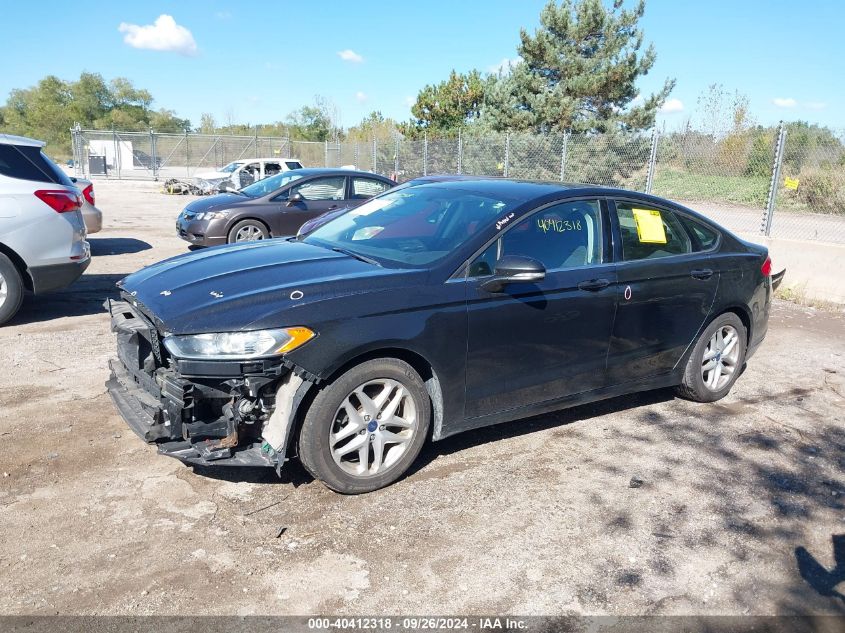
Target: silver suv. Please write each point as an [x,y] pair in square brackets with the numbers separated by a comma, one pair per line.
[42,234]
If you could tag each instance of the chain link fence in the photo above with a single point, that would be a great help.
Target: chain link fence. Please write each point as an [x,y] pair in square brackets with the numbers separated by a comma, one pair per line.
[758,181]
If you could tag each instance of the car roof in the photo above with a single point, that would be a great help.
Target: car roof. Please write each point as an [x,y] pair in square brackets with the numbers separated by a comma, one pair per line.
[11,139]
[528,190]
[499,187]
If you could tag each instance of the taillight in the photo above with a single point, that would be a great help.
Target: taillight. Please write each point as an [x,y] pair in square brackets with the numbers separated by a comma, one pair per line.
[88,192]
[766,268]
[59,200]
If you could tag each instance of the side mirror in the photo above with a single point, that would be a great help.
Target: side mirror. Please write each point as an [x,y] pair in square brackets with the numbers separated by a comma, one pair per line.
[294,199]
[514,269]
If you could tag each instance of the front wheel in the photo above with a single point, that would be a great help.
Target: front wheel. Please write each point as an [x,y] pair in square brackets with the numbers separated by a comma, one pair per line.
[248,231]
[716,360]
[365,429]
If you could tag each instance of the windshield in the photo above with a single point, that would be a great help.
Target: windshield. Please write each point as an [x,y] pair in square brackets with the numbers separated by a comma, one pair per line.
[271,184]
[231,167]
[416,226]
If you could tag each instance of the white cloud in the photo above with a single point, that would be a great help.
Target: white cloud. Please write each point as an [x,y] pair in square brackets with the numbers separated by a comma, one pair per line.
[637,101]
[409,101]
[815,105]
[504,66]
[360,96]
[672,105]
[162,35]
[784,102]
[348,55]
[223,15]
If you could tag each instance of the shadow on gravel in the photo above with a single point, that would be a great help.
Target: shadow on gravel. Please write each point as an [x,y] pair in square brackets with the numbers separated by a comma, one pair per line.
[116,246]
[516,428]
[817,575]
[85,296]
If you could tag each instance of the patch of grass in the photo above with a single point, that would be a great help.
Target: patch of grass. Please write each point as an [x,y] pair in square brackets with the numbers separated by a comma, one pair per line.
[798,294]
[680,185]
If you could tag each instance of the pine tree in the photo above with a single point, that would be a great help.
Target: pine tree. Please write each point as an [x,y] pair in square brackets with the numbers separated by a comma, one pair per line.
[578,72]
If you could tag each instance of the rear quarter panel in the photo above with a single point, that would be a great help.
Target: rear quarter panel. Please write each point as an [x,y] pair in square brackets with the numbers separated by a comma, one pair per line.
[743,287]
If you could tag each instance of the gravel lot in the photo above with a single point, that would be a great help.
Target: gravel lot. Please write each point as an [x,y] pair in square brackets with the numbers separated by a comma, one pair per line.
[735,513]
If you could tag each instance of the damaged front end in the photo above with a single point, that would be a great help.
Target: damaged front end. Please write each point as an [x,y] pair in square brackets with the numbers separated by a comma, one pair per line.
[232,412]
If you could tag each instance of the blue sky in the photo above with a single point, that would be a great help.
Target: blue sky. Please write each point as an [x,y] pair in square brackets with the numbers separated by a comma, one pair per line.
[260,63]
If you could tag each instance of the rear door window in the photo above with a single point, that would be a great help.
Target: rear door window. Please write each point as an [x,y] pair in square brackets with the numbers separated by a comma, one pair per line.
[364,188]
[293,164]
[26,162]
[331,188]
[650,233]
[704,238]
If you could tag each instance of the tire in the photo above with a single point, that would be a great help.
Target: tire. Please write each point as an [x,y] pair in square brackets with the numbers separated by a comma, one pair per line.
[701,385]
[246,228]
[328,427]
[11,289]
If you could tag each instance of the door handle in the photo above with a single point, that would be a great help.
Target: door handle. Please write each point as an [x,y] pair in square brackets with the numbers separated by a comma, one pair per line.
[594,284]
[701,273]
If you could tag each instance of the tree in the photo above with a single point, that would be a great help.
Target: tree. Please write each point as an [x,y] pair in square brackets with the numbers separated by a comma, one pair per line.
[207,124]
[445,107]
[374,125]
[723,113]
[578,72]
[47,110]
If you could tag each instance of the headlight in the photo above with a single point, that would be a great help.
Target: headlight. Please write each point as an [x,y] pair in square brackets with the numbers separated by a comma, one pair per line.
[237,345]
[212,215]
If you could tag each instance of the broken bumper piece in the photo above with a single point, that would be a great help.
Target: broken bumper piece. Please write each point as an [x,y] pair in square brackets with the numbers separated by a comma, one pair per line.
[152,419]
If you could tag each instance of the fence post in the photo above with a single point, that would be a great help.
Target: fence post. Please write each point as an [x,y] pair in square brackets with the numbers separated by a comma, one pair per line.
[563,155]
[507,154]
[326,152]
[355,158]
[116,147]
[460,152]
[153,154]
[769,212]
[652,160]
[425,153]
[187,155]
[396,159]
[375,150]
[74,148]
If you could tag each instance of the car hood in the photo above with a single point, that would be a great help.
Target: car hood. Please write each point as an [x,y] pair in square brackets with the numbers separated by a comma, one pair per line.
[248,286]
[217,202]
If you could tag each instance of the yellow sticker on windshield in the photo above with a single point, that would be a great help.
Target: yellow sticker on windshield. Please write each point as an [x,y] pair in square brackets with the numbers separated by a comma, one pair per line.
[650,228]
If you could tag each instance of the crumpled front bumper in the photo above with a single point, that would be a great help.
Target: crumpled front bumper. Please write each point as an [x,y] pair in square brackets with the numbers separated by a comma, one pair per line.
[148,418]
[189,418]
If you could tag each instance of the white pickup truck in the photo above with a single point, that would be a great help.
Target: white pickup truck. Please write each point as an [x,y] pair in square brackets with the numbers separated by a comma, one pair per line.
[241,173]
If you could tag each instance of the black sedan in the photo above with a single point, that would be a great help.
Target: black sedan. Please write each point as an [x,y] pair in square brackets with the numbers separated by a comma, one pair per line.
[429,311]
[275,206]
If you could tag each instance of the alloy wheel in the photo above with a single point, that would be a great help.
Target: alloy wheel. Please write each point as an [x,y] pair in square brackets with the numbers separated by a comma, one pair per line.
[4,290]
[249,233]
[373,427]
[720,358]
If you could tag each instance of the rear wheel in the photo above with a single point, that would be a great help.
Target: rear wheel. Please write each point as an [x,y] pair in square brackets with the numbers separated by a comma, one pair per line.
[366,428]
[248,231]
[716,360]
[11,289]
